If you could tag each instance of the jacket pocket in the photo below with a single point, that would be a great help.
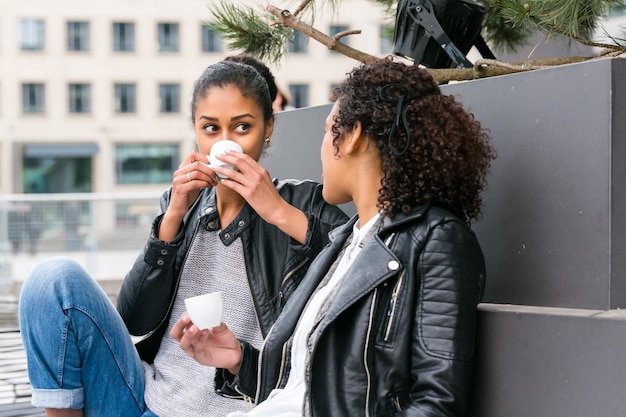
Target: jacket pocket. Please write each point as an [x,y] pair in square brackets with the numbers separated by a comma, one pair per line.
[394,402]
[390,301]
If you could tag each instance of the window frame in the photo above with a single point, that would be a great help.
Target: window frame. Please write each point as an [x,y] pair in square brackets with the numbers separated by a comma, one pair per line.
[335,29]
[169,98]
[33,100]
[77,35]
[168,37]
[211,40]
[79,98]
[300,95]
[146,155]
[299,44]
[123,40]
[125,98]
[31,34]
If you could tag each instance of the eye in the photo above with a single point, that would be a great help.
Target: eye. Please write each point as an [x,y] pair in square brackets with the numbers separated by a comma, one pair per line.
[210,128]
[242,128]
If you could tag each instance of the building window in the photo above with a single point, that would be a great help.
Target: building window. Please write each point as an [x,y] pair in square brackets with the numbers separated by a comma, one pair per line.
[33,98]
[80,98]
[145,163]
[58,167]
[299,43]
[335,29]
[124,98]
[386,39]
[169,98]
[299,95]
[123,37]
[31,35]
[211,40]
[168,37]
[77,36]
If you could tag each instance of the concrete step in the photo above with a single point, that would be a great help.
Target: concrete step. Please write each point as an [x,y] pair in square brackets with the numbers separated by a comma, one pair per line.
[549,362]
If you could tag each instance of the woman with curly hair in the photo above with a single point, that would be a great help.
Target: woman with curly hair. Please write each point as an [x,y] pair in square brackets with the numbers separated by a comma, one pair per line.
[384,321]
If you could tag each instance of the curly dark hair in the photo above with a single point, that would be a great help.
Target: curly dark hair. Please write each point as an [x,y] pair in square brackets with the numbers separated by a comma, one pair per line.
[432,150]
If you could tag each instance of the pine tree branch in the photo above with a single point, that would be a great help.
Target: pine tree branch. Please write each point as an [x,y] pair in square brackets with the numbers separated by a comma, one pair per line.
[266,40]
[286,18]
[302,6]
[490,68]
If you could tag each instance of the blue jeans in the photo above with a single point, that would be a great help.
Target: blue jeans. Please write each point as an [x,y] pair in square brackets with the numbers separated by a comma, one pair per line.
[79,352]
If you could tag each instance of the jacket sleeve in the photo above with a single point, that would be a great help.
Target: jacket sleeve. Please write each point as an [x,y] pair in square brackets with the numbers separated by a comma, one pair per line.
[452,273]
[146,291]
[322,218]
[244,384]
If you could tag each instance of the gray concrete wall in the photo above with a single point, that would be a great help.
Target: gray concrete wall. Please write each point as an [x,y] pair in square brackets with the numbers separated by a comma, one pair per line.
[553,211]
[554,227]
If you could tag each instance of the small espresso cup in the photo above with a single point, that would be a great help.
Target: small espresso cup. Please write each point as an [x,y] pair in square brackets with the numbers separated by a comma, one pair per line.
[220,148]
[205,310]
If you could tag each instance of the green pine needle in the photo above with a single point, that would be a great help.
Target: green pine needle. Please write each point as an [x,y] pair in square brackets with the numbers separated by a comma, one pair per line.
[576,18]
[243,28]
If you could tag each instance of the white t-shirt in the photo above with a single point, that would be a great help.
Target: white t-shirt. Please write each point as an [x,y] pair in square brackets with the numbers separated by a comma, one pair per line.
[287,402]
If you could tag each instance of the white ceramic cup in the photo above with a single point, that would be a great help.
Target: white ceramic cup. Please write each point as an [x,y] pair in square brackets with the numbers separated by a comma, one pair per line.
[205,310]
[220,148]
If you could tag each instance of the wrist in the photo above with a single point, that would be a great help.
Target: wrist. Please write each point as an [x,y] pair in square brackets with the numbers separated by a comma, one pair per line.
[237,358]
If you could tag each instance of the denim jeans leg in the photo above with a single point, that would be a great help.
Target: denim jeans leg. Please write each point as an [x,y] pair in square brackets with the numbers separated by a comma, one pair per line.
[78,350]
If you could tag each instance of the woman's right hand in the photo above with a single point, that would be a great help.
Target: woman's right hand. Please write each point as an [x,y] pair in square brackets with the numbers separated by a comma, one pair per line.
[217,347]
[192,175]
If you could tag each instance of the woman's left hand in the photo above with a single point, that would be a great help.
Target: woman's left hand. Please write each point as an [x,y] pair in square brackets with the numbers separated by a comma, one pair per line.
[217,347]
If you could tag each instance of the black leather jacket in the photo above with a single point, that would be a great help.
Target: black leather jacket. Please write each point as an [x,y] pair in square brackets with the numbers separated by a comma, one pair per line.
[397,339]
[275,263]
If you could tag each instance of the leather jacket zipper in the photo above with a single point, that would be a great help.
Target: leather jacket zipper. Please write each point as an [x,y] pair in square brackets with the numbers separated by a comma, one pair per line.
[281,371]
[173,298]
[367,344]
[246,398]
[392,306]
[289,274]
[396,403]
[283,354]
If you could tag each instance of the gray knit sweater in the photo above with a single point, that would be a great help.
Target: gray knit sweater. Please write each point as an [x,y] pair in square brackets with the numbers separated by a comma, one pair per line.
[176,385]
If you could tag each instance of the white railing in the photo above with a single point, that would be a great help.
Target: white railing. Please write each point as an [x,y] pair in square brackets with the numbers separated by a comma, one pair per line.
[104,232]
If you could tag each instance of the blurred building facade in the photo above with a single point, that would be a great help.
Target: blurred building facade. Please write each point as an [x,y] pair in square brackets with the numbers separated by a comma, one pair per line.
[94,95]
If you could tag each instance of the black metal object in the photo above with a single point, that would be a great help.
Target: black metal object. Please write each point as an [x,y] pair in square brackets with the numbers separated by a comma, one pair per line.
[439,33]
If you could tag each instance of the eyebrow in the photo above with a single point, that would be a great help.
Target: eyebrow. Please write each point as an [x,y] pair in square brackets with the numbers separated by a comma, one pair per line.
[232,119]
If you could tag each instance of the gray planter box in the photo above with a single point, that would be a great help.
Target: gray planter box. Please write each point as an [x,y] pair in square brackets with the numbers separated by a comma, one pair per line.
[554,227]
